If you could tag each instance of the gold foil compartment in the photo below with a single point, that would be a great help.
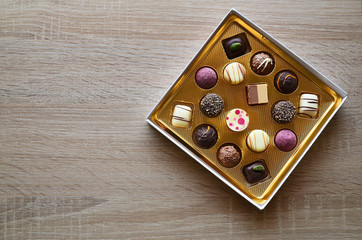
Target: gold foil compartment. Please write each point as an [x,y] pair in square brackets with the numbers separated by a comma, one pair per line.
[279,163]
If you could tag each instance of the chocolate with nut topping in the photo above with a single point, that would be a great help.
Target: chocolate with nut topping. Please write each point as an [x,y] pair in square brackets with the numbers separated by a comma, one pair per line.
[283,111]
[211,105]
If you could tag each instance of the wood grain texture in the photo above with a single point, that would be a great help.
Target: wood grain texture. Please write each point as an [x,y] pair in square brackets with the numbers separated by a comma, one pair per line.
[78,161]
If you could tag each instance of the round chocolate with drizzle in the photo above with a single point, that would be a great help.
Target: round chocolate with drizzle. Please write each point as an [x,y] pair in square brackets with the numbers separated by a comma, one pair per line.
[286,82]
[283,111]
[262,63]
[205,136]
[211,105]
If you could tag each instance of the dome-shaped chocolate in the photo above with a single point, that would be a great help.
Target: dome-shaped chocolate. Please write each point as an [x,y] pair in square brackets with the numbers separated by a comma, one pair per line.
[205,136]
[286,82]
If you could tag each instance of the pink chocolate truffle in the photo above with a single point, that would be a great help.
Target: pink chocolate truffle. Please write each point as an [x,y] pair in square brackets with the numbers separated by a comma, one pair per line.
[285,140]
[206,78]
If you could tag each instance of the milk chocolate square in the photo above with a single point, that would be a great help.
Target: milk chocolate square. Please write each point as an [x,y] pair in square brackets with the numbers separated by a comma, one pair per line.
[257,93]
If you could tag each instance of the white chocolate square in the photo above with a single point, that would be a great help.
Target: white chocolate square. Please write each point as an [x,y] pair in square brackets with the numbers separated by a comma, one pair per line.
[308,105]
[181,116]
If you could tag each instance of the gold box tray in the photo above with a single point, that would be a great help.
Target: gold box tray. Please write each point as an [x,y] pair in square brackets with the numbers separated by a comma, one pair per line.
[185,91]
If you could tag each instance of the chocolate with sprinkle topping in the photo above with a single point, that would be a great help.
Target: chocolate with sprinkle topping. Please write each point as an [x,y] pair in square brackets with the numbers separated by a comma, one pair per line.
[283,111]
[211,105]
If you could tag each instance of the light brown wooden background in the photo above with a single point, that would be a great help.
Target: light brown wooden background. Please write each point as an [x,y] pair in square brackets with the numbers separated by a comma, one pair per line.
[78,161]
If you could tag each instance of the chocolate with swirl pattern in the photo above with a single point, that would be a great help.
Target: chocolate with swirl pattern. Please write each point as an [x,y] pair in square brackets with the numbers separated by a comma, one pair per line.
[286,82]
[205,136]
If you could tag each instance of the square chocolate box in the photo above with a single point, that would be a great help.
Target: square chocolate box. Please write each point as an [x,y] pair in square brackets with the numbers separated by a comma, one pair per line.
[247,108]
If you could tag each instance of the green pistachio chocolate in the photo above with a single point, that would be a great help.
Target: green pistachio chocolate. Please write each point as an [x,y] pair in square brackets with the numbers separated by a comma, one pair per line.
[259,168]
[235,46]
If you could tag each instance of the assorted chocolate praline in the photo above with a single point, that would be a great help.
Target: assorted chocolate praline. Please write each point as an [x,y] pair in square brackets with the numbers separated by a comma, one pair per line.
[257,140]
[234,73]
[181,116]
[211,105]
[257,93]
[285,140]
[229,155]
[262,63]
[206,77]
[283,111]
[286,82]
[237,120]
[205,136]
[256,172]
[308,105]
[236,46]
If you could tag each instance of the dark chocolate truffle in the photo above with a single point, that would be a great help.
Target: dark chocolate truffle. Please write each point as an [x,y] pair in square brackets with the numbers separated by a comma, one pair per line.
[285,140]
[283,111]
[211,105]
[262,63]
[236,46]
[286,82]
[256,172]
[205,136]
[229,155]
[206,78]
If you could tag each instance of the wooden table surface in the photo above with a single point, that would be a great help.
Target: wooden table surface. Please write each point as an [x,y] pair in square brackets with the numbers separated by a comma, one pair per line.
[78,161]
